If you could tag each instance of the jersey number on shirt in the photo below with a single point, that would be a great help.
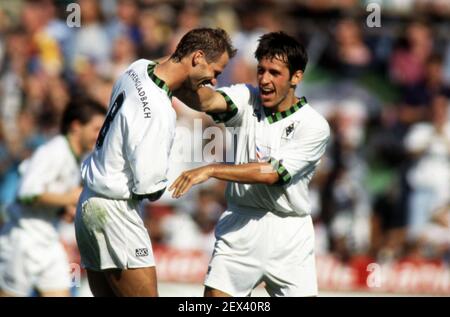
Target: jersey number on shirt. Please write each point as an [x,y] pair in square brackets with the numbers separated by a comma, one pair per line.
[109,118]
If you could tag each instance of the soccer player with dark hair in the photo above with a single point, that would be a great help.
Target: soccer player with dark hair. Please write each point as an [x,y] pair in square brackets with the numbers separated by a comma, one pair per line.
[266,234]
[31,254]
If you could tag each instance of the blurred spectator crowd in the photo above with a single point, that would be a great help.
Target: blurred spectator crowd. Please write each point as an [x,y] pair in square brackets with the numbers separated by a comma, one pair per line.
[382,189]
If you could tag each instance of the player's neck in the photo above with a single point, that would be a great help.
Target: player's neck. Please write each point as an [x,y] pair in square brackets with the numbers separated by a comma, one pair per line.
[74,144]
[172,73]
[287,103]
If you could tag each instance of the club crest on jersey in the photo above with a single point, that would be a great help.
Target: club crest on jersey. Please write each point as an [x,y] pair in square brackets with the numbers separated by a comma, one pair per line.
[288,132]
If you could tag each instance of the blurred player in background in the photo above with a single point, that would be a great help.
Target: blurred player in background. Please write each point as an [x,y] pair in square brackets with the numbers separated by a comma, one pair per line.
[131,161]
[266,234]
[31,254]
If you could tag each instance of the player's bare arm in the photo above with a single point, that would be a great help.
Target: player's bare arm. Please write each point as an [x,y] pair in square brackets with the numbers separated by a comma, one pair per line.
[59,200]
[204,99]
[250,173]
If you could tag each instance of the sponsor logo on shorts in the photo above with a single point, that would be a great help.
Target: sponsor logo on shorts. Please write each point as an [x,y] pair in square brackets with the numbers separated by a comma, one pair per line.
[141,252]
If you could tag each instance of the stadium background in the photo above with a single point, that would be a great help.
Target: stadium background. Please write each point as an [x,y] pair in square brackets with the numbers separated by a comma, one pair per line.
[380,206]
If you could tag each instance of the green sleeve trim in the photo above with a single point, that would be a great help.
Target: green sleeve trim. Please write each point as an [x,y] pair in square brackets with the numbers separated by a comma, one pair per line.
[232,110]
[283,175]
[28,200]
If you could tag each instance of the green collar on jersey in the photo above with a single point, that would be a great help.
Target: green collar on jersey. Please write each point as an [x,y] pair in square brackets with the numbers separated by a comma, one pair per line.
[158,81]
[277,116]
[75,156]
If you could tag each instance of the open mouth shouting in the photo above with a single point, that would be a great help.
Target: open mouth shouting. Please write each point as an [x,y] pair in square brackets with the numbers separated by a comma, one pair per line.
[204,83]
[267,92]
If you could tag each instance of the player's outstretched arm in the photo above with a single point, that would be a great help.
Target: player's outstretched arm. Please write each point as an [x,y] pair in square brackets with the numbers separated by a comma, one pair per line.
[204,99]
[250,173]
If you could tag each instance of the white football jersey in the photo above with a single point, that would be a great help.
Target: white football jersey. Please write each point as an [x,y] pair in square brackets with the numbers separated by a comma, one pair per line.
[52,168]
[132,150]
[293,141]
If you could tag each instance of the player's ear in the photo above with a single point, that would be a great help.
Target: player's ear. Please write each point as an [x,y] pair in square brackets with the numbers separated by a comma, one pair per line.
[75,126]
[198,57]
[296,78]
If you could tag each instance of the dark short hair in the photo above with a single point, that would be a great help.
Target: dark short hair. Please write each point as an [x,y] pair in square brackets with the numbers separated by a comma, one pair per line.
[282,46]
[82,110]
[214,42]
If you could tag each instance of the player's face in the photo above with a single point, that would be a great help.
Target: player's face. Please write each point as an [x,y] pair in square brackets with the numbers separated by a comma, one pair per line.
[204,73]
[89,133]
[275,83]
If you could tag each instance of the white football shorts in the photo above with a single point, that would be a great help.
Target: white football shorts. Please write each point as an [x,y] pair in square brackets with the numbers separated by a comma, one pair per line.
[253,246]
[28,264]
[111,234]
